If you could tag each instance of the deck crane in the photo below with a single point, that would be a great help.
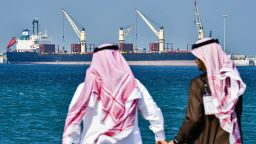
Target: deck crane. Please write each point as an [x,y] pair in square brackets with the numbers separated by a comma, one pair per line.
[123,32]
[200,29]
[159,34]
[80,33]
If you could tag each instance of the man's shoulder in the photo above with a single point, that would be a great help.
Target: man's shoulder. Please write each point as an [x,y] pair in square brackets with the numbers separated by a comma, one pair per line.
[196,82]
[196,79]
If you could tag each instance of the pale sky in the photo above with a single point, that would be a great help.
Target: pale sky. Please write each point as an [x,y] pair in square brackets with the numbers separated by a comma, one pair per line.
[102,19]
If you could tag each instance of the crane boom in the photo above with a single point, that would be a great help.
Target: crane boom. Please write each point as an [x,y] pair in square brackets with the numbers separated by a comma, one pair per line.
[199,25]
[127,31]
[81,34]
[71,22]
[160,34]
[148,23]
[123,32]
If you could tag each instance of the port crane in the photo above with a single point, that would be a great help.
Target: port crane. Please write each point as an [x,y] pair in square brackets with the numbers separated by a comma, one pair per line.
[80,33]
[200,29]
[123,32]
[159,34]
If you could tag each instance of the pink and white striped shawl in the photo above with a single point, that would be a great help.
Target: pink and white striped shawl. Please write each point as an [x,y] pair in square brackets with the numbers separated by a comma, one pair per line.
[111,80]
[226,86]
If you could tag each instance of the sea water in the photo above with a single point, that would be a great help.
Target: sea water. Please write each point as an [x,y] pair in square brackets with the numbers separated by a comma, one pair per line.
[35,98]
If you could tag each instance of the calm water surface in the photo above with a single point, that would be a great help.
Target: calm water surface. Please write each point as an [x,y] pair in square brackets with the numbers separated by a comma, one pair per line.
[35,98]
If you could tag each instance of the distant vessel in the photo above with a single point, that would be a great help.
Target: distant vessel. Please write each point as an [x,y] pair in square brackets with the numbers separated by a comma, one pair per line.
[2,58]
[46,54]
[243,60]
[37,48]
[168,58]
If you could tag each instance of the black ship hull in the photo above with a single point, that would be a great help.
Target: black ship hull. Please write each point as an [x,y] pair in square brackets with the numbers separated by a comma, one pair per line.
[133,58]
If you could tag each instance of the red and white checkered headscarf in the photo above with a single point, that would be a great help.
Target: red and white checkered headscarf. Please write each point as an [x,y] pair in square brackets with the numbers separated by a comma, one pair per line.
[111,80]
[225,83]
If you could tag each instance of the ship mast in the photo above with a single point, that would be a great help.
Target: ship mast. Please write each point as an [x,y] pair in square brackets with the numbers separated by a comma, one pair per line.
[198,22]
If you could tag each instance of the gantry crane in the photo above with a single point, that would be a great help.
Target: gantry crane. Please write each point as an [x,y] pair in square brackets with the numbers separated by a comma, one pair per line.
[123,32]
[80,33]
[200,29]
[159,34]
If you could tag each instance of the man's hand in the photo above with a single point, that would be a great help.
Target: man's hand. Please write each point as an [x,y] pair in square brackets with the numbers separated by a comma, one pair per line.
[171,142]
[161,142]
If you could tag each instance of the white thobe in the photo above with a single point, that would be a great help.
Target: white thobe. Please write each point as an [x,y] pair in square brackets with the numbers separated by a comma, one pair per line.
[91,126]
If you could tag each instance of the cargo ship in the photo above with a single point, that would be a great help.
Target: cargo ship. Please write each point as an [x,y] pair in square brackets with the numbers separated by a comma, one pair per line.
[31,50]
[46,53]
[168,58]
[38,49]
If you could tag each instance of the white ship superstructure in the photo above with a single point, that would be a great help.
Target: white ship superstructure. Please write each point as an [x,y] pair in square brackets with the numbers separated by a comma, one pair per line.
[27,42]
[30,43]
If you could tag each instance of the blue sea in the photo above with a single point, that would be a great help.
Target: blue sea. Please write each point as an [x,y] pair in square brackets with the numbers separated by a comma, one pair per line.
[35,98]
